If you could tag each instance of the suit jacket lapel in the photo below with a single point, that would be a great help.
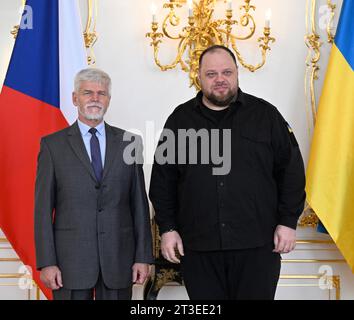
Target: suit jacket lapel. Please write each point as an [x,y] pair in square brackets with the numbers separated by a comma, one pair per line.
[77,144]
[113,145]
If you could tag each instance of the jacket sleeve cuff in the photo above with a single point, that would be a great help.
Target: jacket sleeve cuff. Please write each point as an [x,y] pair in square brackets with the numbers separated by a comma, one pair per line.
[39,267]
[166,228]
[290,222]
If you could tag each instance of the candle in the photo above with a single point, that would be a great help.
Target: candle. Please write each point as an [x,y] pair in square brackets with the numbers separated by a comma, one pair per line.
[190,8]
[268,15]
[153,11]
[229,4]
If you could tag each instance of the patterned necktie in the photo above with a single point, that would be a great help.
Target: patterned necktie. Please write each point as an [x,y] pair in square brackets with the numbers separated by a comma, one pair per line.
[96,159]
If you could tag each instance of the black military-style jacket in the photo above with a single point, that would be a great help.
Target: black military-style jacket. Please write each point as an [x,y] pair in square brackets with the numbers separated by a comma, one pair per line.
[241,209]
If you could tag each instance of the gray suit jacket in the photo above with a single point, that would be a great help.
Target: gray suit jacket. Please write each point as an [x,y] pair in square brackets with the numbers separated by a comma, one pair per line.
[82,226]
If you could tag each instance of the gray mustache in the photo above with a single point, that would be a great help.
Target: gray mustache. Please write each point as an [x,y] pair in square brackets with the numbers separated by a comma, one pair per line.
[94,106]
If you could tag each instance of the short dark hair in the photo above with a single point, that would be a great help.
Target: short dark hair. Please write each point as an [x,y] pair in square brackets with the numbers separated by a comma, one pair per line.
[215,48]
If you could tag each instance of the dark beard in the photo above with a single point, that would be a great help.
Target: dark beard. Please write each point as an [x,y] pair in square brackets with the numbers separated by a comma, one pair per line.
[221,102]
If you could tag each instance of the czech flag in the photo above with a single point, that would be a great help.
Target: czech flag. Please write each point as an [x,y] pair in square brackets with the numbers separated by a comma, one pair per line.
[35,100]
[330,172]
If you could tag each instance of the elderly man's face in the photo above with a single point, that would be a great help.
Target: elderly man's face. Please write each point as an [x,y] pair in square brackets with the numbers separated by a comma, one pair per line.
[92,100]
[218,78]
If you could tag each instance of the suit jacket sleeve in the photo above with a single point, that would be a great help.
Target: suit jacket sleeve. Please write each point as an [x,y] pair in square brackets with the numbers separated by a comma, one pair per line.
[288,171]
[140,210]
[45,190]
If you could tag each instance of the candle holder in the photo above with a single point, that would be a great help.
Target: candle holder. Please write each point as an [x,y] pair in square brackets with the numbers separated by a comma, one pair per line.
[202,31]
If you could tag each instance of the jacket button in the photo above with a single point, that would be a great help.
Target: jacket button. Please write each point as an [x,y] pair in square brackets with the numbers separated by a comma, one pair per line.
[223,225]
[97,186]
[221,184]
[100,210]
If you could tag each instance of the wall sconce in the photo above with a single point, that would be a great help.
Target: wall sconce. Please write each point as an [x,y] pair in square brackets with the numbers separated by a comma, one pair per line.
[202,31]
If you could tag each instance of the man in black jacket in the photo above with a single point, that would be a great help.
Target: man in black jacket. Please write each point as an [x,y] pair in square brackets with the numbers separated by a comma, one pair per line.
[227,187]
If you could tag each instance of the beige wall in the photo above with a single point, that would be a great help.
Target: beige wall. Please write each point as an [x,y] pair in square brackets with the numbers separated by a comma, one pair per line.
[143,96]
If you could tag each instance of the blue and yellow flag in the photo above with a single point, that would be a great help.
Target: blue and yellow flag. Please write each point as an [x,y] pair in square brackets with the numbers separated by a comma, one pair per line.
[330,172]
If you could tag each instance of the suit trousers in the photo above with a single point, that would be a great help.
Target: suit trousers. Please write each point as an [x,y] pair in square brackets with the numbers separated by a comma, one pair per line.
[246,274]
[99,292]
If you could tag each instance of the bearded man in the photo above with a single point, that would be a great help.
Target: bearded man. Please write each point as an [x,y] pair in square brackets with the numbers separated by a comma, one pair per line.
[92,222]
[227,227]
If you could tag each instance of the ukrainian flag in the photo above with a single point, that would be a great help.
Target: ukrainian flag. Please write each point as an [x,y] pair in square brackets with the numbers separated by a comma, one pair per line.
[330,172]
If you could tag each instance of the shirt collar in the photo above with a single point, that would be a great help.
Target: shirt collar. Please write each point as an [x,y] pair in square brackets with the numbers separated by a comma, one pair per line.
[84,128]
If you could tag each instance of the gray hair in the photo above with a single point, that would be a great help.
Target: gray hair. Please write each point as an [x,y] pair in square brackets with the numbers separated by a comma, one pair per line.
[92,75]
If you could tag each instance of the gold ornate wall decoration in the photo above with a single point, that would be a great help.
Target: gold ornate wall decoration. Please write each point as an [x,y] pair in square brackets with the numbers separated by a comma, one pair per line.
[308,218]
[313,43]
[21,276]
[331,282]
[90,33]
[17,275]
[15,29]
[334,282]
[332,8]
[202,31]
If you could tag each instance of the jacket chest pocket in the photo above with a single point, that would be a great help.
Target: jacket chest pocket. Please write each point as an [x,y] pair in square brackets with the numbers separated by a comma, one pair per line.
[255,148]
[255,135]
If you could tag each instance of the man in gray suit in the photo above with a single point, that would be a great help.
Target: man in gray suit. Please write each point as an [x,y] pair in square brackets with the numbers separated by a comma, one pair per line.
[92,226]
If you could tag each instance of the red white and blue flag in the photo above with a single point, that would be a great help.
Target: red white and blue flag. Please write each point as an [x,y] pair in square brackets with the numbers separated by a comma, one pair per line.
[35,100]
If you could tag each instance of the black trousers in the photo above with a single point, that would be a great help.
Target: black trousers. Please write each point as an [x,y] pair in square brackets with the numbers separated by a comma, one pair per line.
[247,274]
[99,292]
